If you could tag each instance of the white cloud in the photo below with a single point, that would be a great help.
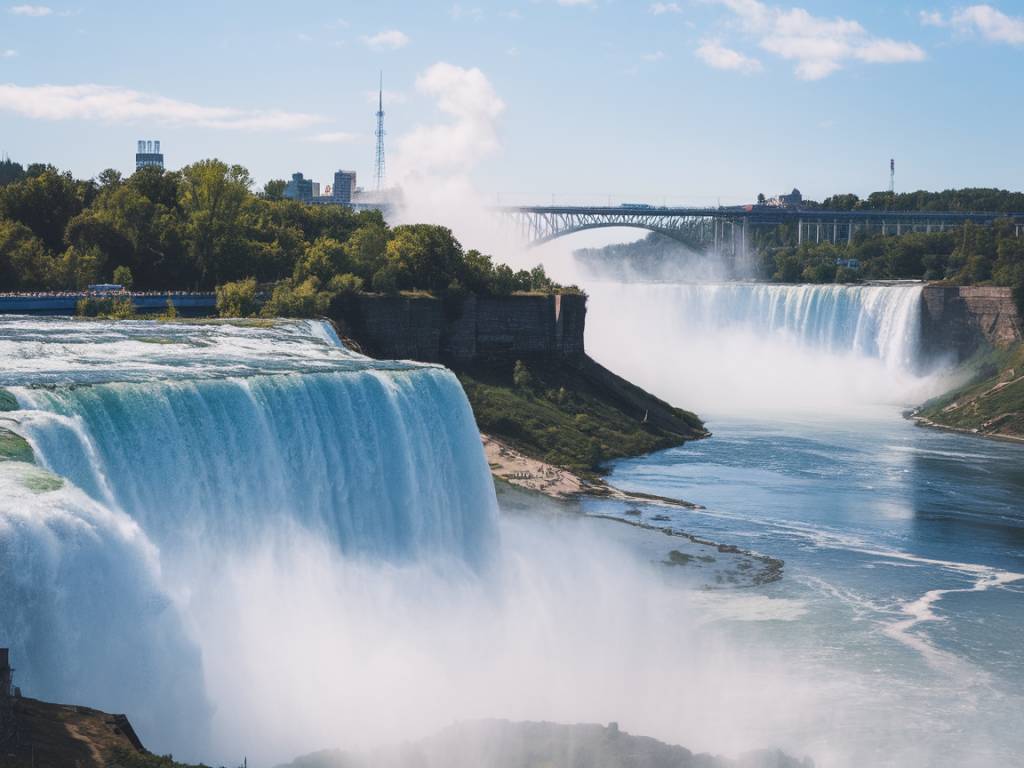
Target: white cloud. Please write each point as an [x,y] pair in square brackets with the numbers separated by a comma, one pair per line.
[10,53]
[932,19]
[990,23]
[716,55]
[818,46]
[654,56]
[388,40]
[659,8]
[465,96]
[458,13]
[31,10]
[113,104]
[575,2]
[333,137]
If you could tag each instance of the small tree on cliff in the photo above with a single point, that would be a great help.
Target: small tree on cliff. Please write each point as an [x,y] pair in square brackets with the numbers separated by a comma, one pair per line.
[521,376]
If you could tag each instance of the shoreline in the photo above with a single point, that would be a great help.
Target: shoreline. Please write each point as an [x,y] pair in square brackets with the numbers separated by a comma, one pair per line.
[924,421]
[536,476]
[527,473]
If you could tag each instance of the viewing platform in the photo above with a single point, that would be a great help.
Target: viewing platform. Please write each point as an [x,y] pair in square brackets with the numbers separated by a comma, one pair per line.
[186,303]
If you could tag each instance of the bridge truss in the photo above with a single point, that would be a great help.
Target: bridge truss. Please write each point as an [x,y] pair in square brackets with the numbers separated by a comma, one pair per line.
[727,230]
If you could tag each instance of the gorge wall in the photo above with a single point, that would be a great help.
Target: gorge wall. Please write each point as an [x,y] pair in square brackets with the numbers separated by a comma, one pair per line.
[476,328]
[960,319]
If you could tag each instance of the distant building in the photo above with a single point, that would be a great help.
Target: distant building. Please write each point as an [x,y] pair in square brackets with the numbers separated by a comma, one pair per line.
[344,186]
[299,188]
[793,200]
[316,189]
[148,153]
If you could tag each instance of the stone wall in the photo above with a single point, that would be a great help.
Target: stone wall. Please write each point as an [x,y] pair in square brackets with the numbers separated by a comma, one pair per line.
[959,319]
[477,328]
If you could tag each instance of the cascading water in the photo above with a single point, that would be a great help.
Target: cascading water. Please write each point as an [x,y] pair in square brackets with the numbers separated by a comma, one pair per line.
[164,452]
[741,346]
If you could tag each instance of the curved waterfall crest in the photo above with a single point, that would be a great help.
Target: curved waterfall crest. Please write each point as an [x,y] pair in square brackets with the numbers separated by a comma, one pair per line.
[164,457]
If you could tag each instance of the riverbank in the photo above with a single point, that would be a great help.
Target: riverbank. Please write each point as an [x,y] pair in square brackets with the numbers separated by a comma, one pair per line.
[990,405]
[571,413]
[530,474]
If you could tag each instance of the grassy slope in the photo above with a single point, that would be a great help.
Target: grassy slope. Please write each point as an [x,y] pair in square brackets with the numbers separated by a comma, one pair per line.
[564,418]
[992,404]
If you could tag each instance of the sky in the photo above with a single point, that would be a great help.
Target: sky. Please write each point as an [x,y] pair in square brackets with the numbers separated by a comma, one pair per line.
[687,102]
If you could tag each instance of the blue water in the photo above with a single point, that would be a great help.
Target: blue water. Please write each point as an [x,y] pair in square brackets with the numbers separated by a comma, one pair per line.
[904,574]
[903,586]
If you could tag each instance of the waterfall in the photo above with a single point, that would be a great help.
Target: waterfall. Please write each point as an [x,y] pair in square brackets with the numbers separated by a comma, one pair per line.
[743,346]
[170,457]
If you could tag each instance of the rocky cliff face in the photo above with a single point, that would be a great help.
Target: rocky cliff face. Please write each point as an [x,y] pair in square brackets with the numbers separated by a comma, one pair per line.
[499,328]
[41,735]
[959,319]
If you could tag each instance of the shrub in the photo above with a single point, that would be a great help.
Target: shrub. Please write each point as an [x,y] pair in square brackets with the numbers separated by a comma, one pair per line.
[237,299]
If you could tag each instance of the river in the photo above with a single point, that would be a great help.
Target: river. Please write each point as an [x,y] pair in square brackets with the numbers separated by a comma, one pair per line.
[903,589]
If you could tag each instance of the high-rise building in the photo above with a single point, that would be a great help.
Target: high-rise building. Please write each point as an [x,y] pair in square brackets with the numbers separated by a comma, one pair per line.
[344,186]
[299,188]
[148,153]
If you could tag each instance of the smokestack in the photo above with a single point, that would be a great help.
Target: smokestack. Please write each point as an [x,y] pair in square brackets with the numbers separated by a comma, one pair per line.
[156,147]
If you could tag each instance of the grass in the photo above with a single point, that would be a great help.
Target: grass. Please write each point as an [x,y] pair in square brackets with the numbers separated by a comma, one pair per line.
[992,403]
[560,416]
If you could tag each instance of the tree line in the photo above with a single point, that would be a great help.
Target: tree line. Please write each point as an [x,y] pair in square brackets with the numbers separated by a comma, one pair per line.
[204,227]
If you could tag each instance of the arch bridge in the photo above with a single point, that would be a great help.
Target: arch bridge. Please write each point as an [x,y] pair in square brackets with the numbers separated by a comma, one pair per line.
[727,230]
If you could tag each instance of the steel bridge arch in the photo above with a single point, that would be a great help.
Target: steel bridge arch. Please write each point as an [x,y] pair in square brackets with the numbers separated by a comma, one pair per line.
[671,232]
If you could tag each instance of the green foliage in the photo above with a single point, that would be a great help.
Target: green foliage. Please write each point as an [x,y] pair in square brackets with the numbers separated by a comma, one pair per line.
[123,758]
[304,299]
[576,424]
[203,227]
[123,277]
[237,299]
[108,308]
[172,311]
[274,189]
[521,376]
[992,402]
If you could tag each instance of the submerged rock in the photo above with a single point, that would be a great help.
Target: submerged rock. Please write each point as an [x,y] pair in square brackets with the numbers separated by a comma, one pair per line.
[8,402]
[14,447]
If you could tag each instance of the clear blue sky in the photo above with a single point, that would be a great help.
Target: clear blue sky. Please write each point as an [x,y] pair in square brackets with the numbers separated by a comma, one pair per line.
[684,100]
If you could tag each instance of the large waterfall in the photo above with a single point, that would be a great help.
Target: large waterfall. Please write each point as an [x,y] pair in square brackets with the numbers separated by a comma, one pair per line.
[755,347]
[171,458]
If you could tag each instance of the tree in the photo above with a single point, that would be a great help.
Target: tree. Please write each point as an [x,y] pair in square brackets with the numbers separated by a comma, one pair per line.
[521,376]
[213,195]
[109,178]
[304,299]
[323,259]
[123,277]
[274,189]
[760,198]
[25,264]
[237,299]
[366,248]
[10,171]
[45,203]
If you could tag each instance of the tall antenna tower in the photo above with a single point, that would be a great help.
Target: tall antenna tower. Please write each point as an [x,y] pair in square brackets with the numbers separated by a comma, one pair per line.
[379,170]
[892,176]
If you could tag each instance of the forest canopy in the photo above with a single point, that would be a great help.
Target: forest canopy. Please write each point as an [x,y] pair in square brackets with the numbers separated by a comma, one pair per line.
[204,227]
